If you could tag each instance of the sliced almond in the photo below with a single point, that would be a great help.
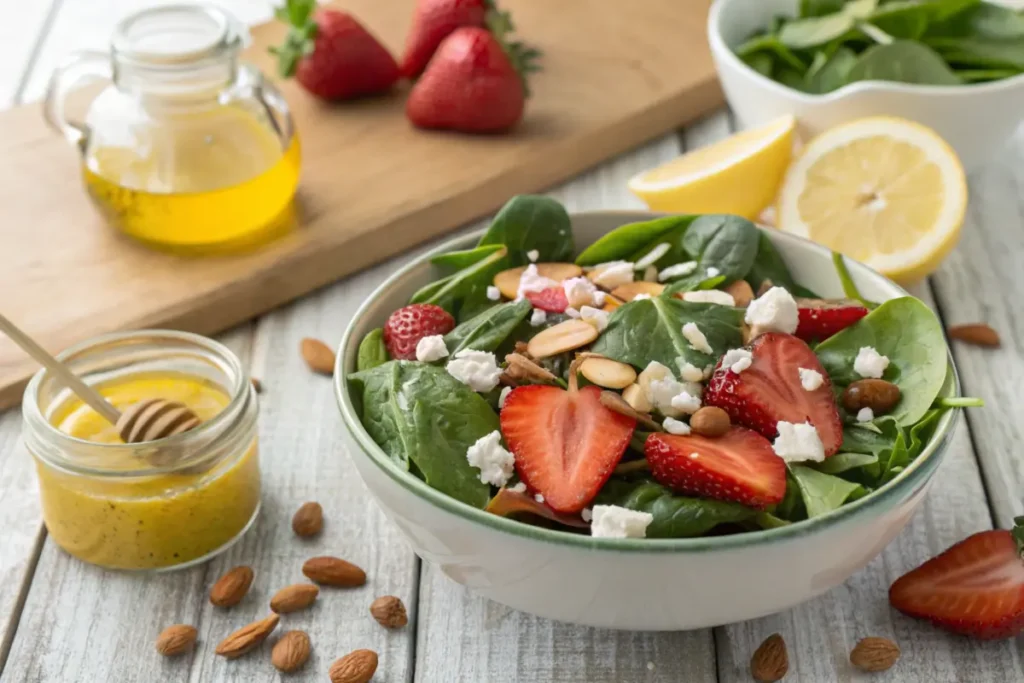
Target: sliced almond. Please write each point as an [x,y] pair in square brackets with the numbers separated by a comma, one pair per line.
[611,303]
[636,397]
[741,293]
[507,281]
[521,370]
[565,336]
[615,403]
[628,292]
[608,373]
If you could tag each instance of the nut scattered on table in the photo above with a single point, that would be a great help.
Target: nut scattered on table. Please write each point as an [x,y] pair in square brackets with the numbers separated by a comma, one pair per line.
[874,654]
[231,587]
[308,520]
[710,421]
[318,356]
[247,638]
[389,612]
[770,661]
[355,667]
[175,640]
[978,334]
[256,384]
[333,571]
[290,651]
[293,598]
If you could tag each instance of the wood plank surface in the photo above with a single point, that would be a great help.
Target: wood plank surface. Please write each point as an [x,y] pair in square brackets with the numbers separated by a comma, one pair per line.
[372,185]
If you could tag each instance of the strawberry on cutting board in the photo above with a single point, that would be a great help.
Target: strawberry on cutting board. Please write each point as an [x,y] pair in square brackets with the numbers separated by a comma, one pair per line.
[821,318]
[432,22]
[406,326]
[739,466]
[975,588]
[331,54]
[566,443]
[769,391]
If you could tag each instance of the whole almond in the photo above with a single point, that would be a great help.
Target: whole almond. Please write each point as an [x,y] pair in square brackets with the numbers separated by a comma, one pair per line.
[978,334]
[741,293]
[318,356]
[333,571]
[355,667]
[232,587]
[294,598]
[710,421]
[247,638]
[176,640]
[875,654]
[389,612]
[877,394]
[308,520]
[256,384]
[291,651]
[770,661]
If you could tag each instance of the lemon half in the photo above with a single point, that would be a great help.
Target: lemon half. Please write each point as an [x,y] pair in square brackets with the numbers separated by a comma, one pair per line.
[740,174]
[885,191]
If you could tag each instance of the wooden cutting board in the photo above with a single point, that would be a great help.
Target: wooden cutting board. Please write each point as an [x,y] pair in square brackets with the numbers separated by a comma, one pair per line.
[615,74]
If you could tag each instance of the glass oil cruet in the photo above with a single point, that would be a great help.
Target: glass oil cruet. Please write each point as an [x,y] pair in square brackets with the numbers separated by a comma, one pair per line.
[186,148]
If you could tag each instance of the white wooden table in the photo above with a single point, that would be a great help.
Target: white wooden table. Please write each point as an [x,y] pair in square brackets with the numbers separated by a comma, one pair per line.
[62,621]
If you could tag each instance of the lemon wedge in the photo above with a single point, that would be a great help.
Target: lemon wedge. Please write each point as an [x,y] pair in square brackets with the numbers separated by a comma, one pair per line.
[885,191]
[740,174]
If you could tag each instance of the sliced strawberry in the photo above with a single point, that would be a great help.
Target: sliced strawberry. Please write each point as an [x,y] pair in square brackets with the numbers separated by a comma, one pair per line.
[821,318]
[976,587]
[566,443]
[552,299]
[739,466]
[769,391]
[406,326]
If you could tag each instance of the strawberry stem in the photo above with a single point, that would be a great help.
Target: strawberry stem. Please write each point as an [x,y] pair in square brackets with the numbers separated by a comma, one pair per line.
[959,402]
[298,14]
[523,57]
[574,370]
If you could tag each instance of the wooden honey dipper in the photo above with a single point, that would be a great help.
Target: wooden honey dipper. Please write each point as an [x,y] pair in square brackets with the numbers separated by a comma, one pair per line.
[146,420]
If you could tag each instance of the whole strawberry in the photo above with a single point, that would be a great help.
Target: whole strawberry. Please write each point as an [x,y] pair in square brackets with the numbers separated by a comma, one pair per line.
[406,326]
[331,54]
[432,21]
[475,82]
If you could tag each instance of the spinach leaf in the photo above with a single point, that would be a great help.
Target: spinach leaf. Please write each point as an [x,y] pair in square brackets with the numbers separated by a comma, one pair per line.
[904,19]
[985,75]
[727,243]
[909,334]
[626,240]
[791,508]
[850,290]
[531,222]
[942,10]
[865,439]
[423,418]
[652,329]
[981,53]
[822,492]
[801,34]
[817,8]
[903,61]
[487,330]
[761,62]
[843,462]
[981,20]
[469,284]
[772,45]
[791,78]
[457,260]
[692,283]
[921,432]
[674,516]
[768,265]
[833,73]
[372,351]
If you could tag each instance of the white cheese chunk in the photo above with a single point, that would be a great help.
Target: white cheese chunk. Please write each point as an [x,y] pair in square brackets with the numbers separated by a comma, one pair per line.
[870,363]
[678,270]
[595,316]
[477,369]
[737,360]
[431,348]
[674,426]
[494,462]
[539,317]
[612,274]
[865,415]
[503,396]
[579,291]
[710,296]
[798,442]
[532,281]
[533,255]
[651,257]
[493,293]
[696,338]
[612,521]
[810,380]
[773,311]
[689,372]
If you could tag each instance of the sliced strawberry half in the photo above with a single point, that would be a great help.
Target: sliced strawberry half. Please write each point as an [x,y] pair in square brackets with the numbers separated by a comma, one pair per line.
[739,466]
[406,326]
[976,587]
[769,391]
[552,299]
[821,318]
[566,443]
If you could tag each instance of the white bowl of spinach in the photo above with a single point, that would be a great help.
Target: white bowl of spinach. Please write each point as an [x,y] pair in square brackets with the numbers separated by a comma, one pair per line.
[704,562]
[953,65]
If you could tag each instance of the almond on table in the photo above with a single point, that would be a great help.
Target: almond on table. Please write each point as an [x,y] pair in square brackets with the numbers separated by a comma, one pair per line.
[333,571]
[231,587]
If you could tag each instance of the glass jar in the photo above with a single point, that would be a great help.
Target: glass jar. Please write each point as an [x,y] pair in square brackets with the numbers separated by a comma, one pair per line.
[157,505]
[186,148]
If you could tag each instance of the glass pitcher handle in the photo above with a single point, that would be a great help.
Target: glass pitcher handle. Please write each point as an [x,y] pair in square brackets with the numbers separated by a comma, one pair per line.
[79,69]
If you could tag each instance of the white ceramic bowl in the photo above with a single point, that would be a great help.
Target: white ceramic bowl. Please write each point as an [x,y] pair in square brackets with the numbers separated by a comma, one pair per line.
[976,120]
[644,584]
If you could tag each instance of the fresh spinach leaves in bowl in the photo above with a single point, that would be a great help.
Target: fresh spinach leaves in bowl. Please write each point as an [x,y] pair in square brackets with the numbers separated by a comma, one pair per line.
[832,43]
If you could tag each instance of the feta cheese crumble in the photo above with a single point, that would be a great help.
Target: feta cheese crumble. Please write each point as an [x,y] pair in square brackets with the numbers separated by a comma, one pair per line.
[532,281]
[503,396]
[493,293]
[686,401]
[713,272]
[737,360]
[572,312]
[494,462]
[865,415]
[870,363]
[599,298]
[696,338]
[612,521]
[477,369]
[431,348]
[710,296]
[586,514]
[595,316]
[774,310]
[660,387]
[674,426]
[579,291]
[520,487]
[798,442]
[612,274]
[678,270]
[651,257]
[810,379]
[539,317]
[533,255]
[642,296]
[689,372]
[539,497]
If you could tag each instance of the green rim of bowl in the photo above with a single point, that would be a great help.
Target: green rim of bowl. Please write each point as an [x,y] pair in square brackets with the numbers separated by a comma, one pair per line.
[900,488]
